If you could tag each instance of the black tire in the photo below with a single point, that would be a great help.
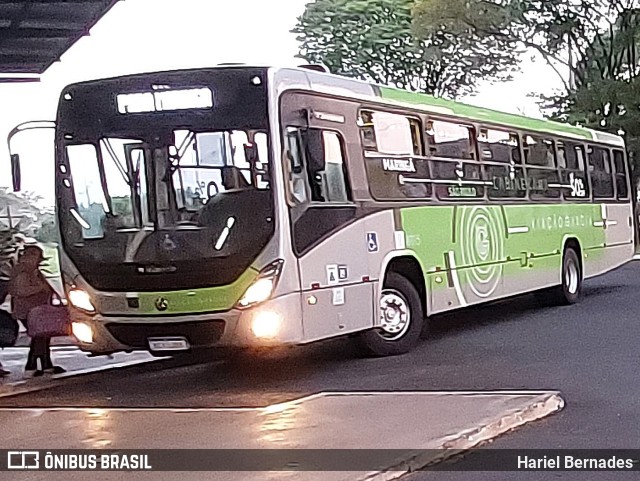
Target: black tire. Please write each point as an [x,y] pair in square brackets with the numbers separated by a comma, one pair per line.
[378,342]
[570,289]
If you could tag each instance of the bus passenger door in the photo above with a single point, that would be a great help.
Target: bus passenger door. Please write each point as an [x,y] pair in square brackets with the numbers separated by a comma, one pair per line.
[325,228]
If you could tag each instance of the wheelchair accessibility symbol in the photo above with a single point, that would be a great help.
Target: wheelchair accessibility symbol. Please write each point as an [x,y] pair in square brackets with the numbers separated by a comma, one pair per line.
[372,242]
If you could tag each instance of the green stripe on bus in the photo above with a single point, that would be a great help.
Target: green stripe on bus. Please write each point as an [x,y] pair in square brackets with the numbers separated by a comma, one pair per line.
[194,301]
[491,242]
[486,115]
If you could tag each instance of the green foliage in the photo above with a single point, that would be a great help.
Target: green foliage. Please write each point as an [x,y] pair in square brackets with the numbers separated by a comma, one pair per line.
[547,26]
[462,17]
[20,217]
[374,40]
[48,231]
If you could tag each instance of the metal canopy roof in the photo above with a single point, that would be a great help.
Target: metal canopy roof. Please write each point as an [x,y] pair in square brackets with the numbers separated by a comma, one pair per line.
[35,33]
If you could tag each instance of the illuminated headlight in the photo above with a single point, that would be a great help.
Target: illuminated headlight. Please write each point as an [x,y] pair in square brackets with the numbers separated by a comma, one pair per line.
[82,332]
[262,288]
[81,300]
[258,292]
[266,324]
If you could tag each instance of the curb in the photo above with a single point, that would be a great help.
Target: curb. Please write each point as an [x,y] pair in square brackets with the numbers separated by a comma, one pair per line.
[540,407]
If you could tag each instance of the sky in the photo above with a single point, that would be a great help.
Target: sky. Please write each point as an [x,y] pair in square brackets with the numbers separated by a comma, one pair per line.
[147,35]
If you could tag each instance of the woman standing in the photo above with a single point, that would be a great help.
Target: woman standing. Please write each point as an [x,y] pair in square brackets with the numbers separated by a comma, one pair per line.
[28,289]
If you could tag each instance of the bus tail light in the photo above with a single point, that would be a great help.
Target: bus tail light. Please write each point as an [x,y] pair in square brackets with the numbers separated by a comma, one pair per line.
[263,286]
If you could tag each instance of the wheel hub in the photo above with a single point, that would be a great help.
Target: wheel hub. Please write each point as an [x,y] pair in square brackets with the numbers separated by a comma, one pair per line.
[395,315]
[572,278]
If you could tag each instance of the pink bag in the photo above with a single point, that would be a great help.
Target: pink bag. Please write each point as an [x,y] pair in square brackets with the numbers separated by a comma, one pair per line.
[48,321]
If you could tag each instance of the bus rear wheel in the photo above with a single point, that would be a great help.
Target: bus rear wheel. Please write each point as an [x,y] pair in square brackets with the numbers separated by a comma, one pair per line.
[570,289]
[401,319]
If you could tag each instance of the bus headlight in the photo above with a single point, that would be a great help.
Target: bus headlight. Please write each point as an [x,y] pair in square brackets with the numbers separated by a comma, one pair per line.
[81,300]
[266,324]
[262,288]
[82,332]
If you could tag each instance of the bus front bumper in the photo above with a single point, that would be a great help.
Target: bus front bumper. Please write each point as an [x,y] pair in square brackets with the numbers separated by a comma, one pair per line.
[275,322]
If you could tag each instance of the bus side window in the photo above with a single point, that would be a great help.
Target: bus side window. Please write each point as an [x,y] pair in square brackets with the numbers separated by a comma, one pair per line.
[600,172]
[499,146]
[326,167]
[393,149]
[316,157]
[388,133]
[453,160]
[621,175]
[336,172]
[539,151]
[543,178]
[450,140]
[571,160]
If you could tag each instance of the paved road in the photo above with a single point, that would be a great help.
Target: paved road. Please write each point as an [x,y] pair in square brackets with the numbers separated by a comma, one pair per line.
[589,352]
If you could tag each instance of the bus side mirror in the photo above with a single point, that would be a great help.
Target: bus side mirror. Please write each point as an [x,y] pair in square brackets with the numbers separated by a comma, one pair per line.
[16,174]
[15,158]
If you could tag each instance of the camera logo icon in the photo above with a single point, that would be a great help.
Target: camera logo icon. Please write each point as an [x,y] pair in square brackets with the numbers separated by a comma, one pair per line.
[23,460]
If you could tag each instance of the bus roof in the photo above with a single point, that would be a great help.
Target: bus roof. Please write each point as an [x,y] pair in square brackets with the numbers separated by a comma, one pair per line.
[324,81]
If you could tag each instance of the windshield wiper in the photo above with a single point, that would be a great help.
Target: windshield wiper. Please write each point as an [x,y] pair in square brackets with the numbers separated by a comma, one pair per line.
[104,183]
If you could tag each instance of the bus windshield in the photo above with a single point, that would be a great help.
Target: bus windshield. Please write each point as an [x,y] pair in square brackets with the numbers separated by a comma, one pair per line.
[165,173]
[112,181]
[134,202]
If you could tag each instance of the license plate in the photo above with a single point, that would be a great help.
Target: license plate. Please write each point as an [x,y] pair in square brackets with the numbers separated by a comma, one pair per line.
[168,344]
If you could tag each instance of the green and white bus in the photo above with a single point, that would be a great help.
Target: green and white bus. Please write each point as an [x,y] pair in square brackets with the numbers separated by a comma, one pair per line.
[244,206]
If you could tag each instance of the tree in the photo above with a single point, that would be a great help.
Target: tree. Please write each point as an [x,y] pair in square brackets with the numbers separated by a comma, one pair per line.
[20,214]
[48,231]
[592,45]
[373,40]
[23,211]
[564,32]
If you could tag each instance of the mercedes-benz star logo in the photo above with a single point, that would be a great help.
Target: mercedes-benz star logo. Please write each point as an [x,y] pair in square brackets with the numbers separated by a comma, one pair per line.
[162,304]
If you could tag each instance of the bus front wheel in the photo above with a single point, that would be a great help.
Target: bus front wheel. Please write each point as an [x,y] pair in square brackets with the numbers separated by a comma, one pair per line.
[401,319]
